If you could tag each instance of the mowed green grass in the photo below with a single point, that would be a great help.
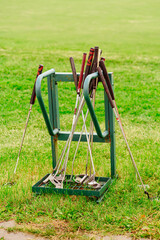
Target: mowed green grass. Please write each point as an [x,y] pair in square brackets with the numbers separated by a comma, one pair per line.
[49,32]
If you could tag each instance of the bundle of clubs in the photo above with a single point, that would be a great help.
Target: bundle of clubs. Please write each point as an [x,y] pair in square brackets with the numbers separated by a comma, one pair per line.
[95,63]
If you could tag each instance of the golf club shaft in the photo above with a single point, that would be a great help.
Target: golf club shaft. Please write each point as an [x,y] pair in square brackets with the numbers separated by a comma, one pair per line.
[72,132]
[79,140]
[76,85]
[68,143]
[88,143]
[89,147]
[77,99]
[30,109]
[105,73]
[119,122]
[87,71]
[32,101]
[95,82]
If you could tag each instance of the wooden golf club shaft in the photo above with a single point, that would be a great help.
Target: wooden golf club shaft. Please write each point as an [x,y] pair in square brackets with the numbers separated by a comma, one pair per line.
[119,122]
[32,101]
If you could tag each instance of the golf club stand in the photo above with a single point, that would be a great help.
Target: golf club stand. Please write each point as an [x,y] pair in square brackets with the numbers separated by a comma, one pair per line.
[53,125]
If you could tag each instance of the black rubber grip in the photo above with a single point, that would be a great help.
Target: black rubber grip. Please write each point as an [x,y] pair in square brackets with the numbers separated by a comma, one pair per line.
[105,86]
[33,97]
[105,73]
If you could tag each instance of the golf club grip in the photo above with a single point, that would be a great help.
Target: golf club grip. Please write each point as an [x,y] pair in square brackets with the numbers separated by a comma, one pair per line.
[105,73]
[94,65]
[94,68]
[81,73]
[74,72]
[89,62]
[103,59]
[33,97]
[105,86]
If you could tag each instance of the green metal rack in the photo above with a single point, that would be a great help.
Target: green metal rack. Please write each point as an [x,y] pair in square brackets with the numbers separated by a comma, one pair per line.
[53,125]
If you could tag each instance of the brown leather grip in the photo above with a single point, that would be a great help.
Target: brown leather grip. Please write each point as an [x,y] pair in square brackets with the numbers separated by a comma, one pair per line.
[74,72]
[105,73]
[94,67]
[33,97]
[95,60]
[105,86]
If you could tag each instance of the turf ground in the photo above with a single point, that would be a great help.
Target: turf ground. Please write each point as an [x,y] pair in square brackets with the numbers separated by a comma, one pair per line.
[49,32]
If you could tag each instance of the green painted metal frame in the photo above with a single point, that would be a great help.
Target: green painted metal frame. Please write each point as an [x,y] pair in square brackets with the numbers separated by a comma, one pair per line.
[105,183]
[53,122]
[109,119]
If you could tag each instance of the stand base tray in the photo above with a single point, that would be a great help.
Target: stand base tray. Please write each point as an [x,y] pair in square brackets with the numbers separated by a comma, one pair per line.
[73,188]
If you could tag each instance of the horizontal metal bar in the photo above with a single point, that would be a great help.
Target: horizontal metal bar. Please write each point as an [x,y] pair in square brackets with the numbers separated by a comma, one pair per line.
[66,76]
[63,136]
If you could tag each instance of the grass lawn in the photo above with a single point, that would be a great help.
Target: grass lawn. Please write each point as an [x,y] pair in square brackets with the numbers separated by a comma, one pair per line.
[34,32]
